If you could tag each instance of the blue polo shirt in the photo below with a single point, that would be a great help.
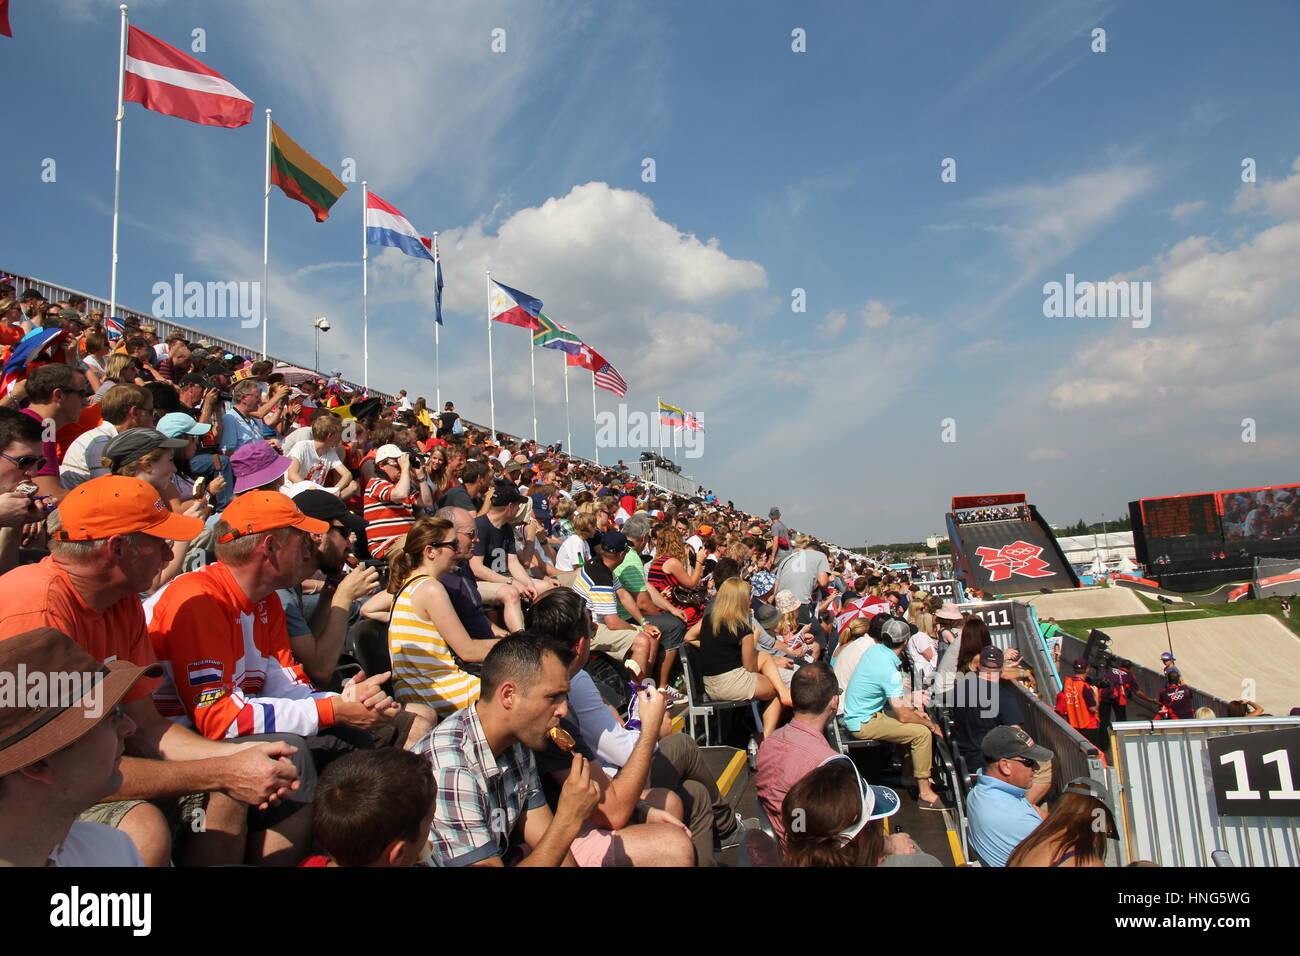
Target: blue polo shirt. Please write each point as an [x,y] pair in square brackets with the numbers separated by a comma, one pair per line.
[1000,818]
[875,681]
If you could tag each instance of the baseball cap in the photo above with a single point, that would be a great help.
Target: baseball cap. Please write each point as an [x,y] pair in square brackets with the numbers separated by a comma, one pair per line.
[895,632]
[32,730]
[1004,743]
[135,443]
[256,464]
[1166,656]
[613,542]
[116,504]
[326,506]
[176,424]
[1080,665]
[877,802]
[194,378]
[387,453]
[704,530]
[767,616]
[257,511]
[991,658]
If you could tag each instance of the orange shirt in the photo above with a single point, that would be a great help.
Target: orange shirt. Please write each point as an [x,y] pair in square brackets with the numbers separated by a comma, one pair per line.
[42,595]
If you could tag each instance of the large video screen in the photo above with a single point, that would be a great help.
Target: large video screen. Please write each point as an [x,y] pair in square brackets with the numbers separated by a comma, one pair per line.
[1261,514]
[1176,517]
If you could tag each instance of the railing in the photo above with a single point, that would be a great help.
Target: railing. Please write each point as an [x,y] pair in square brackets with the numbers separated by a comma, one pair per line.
[165,327]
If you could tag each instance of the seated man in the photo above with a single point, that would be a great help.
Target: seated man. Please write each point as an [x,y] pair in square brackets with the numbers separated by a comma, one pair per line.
[998,813]
[463,589]
[489,800]
[876,682]
[60,755]
[632,641]
[651,606]
[108,540]
[495,563]
[391,499]
[373,808]
[796,749]
[677,764]
[220,634]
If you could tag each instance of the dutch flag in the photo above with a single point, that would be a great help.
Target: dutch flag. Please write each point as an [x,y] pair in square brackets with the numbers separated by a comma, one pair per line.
[386,226]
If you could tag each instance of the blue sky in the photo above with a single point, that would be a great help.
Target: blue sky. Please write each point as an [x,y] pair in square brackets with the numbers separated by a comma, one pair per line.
[775,170]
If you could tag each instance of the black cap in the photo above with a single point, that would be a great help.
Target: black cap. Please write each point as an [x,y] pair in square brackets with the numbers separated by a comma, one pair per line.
[324,506]
[613,542]
[991,658]
[135,443]
[194,378]
[505,493]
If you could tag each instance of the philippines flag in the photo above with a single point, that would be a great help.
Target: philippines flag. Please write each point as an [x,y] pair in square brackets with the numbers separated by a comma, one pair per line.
[385,226]
[514,307]
[607,377]
[163,79]
[38,345]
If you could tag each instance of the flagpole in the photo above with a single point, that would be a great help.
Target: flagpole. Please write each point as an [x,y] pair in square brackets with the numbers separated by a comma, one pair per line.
[595,434]
[659,425]
[365,291]
[266,227]
[568,429]
[437,335]
[532,370]
[492,393]
[117,162]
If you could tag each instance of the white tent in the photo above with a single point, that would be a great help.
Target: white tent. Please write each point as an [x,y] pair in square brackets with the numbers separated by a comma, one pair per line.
[1126,566]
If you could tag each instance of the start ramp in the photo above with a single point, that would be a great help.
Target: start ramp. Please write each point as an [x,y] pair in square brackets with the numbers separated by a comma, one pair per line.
[1015,554]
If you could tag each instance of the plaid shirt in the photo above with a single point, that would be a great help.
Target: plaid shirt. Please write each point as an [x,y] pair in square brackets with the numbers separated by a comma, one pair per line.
[481,799]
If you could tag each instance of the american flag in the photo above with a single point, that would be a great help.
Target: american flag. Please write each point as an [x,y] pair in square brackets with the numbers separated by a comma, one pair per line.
[607,377]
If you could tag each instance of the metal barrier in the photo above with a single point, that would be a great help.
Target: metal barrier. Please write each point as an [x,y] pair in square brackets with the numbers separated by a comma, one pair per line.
[1012,624]
[669,480]
[165,327]
[1166,800]
[1072,755]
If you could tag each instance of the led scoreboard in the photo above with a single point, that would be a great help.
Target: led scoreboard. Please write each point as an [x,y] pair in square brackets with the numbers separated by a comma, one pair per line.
[1181,516]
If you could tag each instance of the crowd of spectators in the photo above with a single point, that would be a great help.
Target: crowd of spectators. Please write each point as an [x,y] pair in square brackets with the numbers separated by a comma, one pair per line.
[977,515]
[241,550]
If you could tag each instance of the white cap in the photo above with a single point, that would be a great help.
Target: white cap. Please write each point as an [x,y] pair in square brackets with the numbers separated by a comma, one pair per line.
[388,453]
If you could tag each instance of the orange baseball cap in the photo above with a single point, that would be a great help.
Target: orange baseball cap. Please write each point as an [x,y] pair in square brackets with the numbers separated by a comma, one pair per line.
[256,511]
[116,504]
[704,530]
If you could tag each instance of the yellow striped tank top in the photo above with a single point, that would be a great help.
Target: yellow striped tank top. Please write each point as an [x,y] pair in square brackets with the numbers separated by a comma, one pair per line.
[424,670]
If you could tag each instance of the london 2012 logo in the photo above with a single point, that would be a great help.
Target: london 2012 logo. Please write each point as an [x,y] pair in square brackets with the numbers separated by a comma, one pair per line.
[1019,557]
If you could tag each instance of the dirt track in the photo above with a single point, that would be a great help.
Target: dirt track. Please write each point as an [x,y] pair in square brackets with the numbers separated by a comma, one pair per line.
[1086,602]
[1218,654]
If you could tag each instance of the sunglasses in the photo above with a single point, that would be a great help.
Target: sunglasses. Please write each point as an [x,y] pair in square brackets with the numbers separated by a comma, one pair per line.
[26,462]
[1031,764]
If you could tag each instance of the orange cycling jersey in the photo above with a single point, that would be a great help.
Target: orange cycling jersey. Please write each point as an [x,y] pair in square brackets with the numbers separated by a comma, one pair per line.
[230,671]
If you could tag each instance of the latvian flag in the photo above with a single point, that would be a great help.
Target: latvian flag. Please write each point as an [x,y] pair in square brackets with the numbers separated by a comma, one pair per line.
[385,226]
[514,307]
[163,79]
[607,377]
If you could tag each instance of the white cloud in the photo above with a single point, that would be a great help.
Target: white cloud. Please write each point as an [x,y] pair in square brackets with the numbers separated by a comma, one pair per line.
[834,323]
[1185,210]
[1279,197]
[875,314]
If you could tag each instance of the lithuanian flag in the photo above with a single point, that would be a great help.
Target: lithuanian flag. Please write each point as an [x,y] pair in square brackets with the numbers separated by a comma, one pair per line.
[301,177]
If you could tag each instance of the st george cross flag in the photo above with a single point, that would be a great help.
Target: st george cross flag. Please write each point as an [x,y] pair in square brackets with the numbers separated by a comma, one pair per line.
[514,307]
[607,377]
[385,226]
[163,79]
[552,335]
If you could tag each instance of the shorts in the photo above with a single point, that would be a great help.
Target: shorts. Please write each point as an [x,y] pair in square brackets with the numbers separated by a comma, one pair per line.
[738,684]
[672,630]
[614,643]
[594,846]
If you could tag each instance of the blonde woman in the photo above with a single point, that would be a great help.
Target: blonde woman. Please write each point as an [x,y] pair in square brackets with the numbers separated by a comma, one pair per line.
[731,664]
[423,629]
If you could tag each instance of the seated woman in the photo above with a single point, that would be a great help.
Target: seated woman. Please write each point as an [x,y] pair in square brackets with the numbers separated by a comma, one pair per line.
[732,665]
[833,817]
[423,629]
[1070,835]
[670,570]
